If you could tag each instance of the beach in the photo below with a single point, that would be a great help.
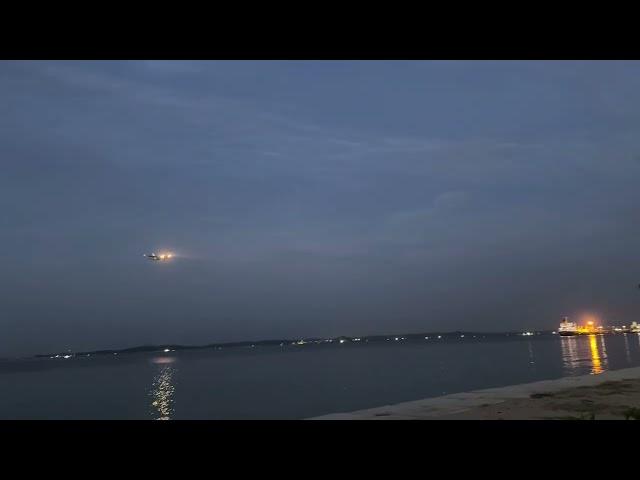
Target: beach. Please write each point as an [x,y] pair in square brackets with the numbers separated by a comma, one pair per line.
[611,395]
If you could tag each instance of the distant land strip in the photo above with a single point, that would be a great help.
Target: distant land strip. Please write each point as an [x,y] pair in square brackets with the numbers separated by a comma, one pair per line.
[435,336]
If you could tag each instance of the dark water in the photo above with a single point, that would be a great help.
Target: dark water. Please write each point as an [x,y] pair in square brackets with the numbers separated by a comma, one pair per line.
[294,381]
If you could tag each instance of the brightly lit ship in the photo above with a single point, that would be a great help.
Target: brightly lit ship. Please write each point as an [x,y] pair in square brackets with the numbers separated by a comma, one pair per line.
[567,328]
[159,258]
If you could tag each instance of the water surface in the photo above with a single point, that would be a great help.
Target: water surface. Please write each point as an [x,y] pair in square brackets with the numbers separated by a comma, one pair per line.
[293,382]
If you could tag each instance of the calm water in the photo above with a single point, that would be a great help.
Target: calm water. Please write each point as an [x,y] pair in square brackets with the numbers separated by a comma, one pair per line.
[294,382]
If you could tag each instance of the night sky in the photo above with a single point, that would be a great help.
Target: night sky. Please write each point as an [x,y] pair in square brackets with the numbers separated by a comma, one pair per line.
[313,198]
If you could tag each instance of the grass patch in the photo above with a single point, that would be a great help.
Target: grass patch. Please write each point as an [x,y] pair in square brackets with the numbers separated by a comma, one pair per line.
[631,414]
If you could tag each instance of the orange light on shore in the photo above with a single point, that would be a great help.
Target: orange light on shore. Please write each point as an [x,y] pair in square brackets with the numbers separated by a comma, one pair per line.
[589,324]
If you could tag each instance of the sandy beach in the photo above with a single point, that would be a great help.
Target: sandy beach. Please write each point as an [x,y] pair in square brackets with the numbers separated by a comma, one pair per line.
[612,395]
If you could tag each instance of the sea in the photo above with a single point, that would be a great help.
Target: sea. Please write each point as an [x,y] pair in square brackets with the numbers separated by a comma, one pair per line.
[295,381]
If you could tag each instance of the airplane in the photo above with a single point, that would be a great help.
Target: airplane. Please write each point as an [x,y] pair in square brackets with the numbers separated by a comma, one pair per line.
[158,258]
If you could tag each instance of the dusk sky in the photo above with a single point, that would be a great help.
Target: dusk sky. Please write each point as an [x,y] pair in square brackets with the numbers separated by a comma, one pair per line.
[313,198]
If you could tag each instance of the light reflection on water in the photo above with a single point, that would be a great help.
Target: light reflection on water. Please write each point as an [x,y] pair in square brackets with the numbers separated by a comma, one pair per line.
[569,356]
[295,382]
[532,360]
[579,355]
[575,354]
[595,355]
[627,352]
[604,348]
[163,389]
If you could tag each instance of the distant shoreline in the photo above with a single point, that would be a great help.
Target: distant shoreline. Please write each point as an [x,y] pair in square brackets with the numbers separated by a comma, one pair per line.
[426,336]
[410,337]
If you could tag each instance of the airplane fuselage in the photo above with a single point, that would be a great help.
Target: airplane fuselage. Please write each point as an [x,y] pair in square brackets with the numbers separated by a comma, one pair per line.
[162,256]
